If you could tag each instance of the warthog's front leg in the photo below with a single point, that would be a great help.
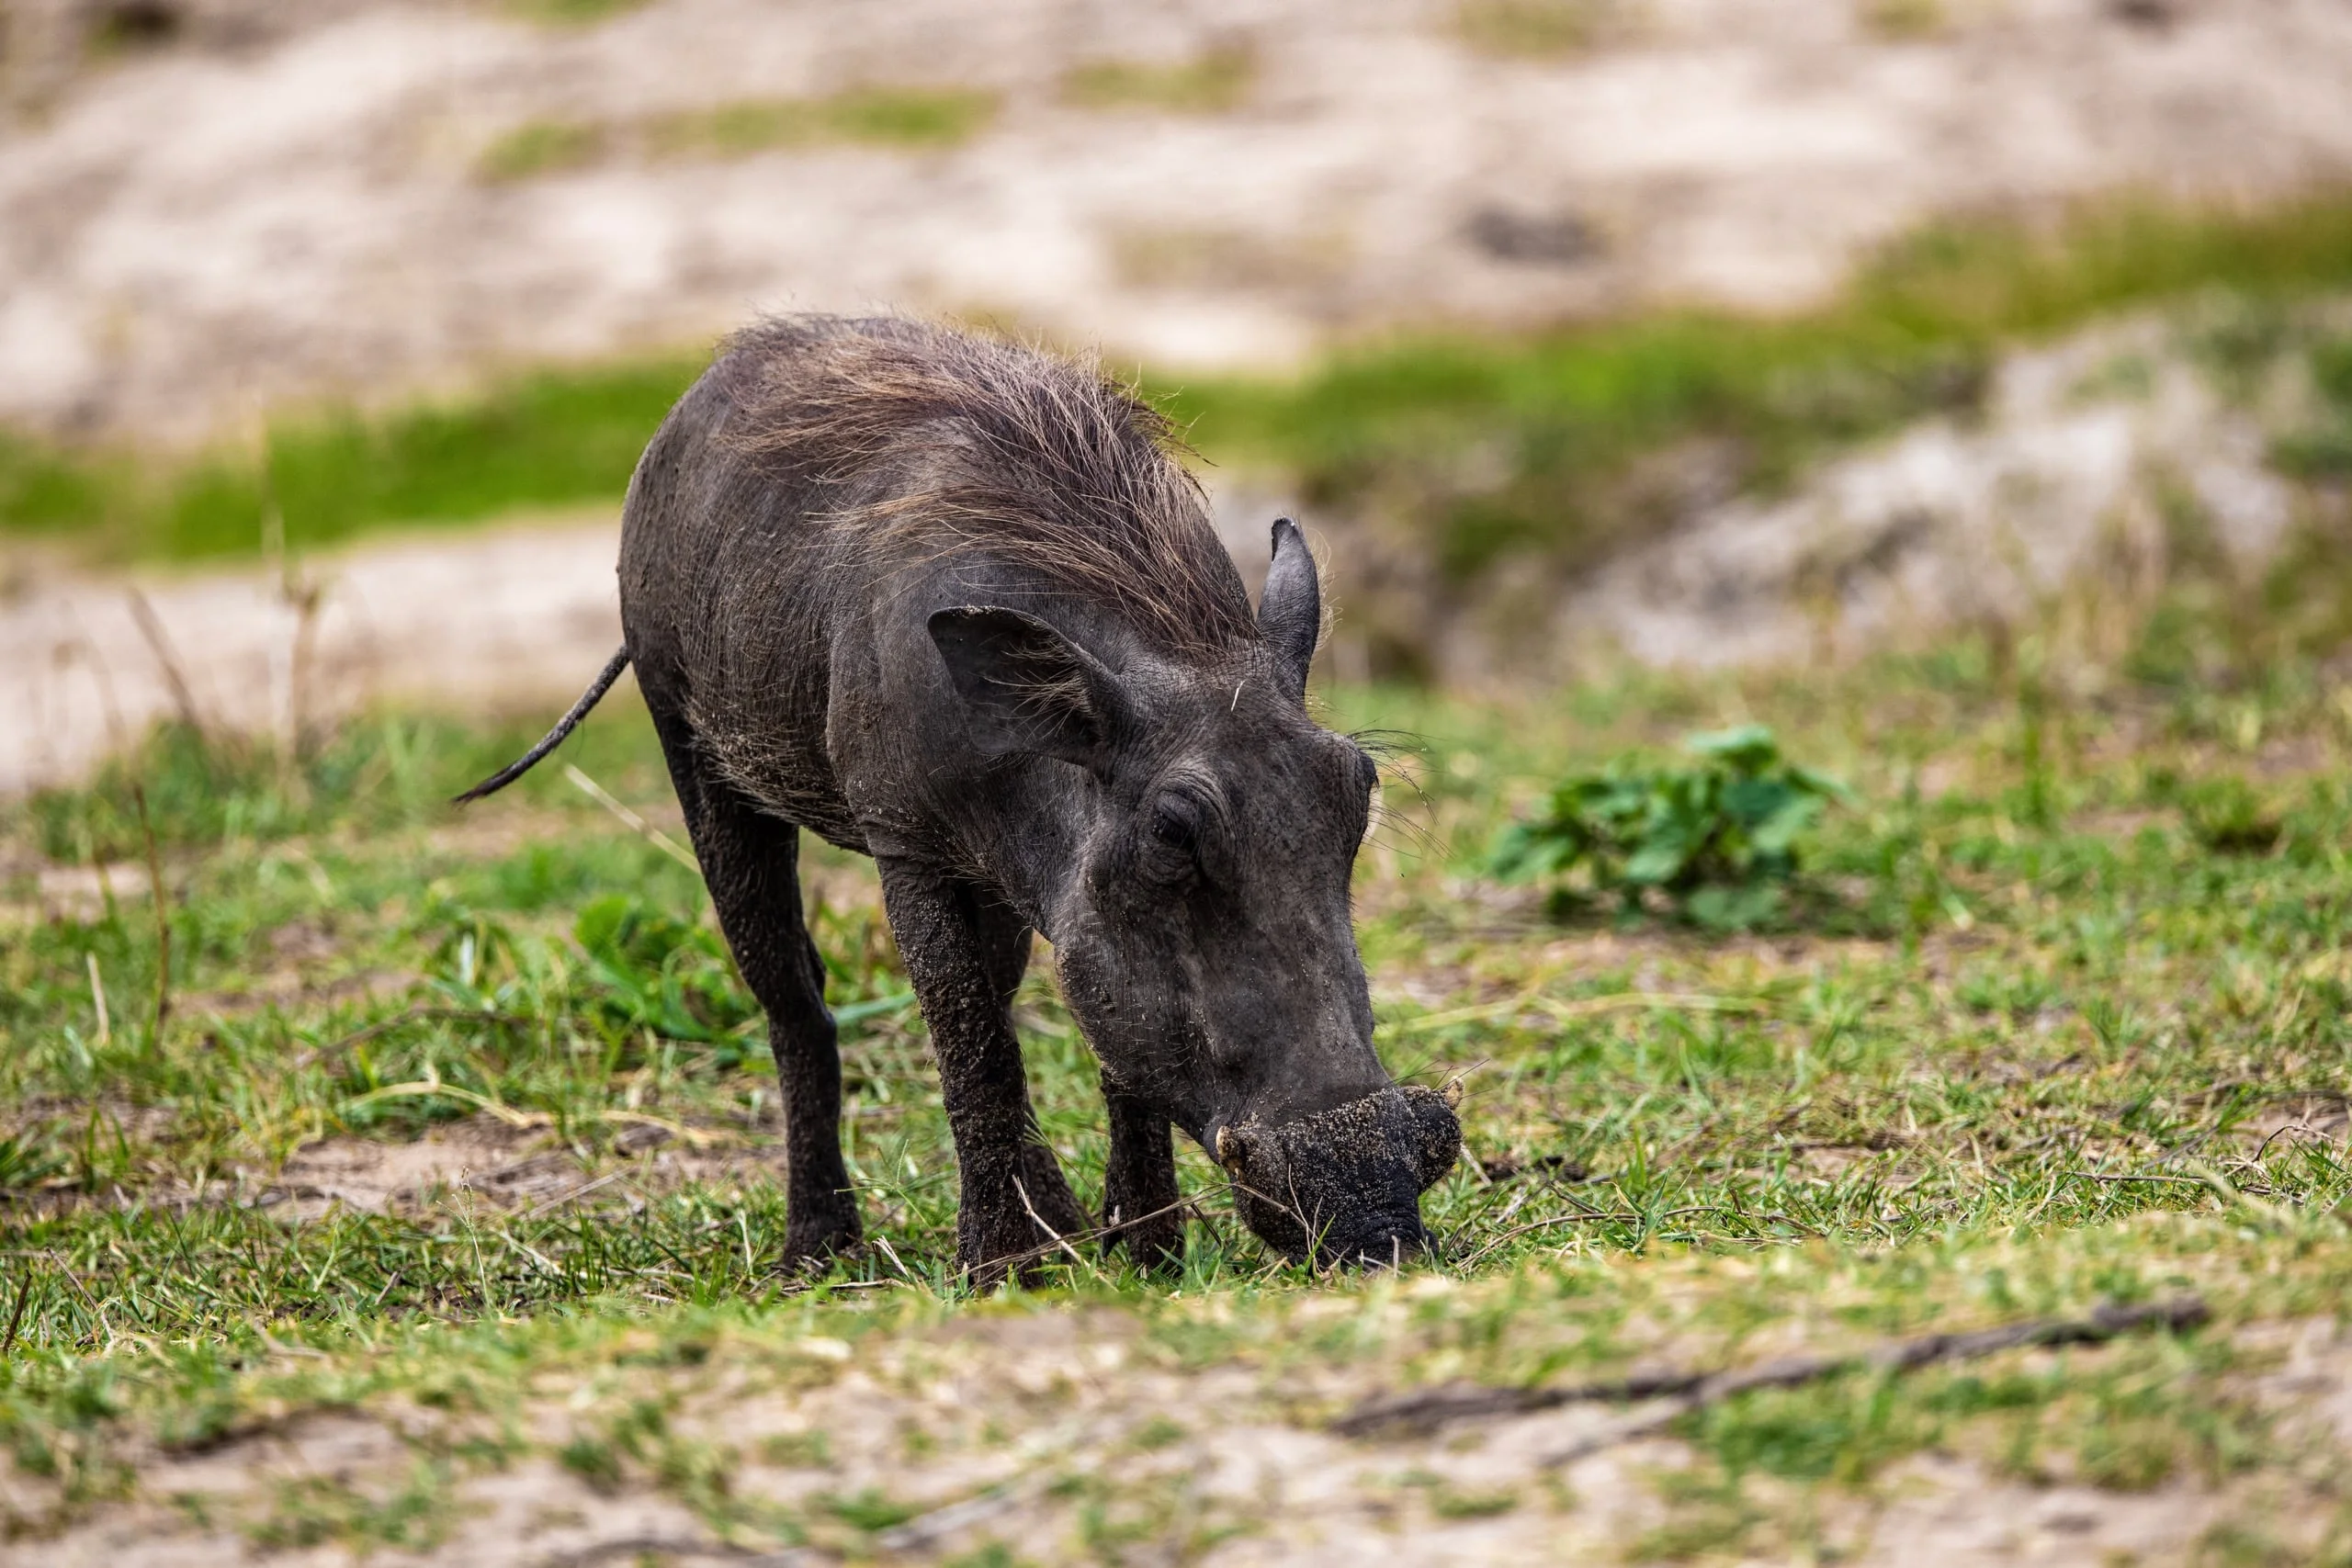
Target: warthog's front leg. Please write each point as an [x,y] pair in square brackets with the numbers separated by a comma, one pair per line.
[1139,1190]
[966,955]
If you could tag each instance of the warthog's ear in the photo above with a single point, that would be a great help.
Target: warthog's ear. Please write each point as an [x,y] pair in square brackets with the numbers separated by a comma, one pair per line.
[1028,688]
[1436,1129]
[1290,613]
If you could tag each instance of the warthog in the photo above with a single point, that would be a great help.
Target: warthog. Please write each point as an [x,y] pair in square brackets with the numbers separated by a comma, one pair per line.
[950,603]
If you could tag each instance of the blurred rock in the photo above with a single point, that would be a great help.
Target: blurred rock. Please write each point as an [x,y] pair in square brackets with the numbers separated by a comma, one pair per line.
[2060,483]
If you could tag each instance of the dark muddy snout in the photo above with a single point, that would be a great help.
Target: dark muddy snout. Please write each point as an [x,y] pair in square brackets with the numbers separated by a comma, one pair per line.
[1344,1185]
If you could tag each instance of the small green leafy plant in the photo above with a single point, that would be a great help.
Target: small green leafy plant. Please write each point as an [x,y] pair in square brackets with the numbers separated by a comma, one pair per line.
[1718,839]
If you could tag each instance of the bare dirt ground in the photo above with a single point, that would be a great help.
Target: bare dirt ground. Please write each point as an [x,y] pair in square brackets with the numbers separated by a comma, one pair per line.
[1030,1421]
[261,203]
[483,622]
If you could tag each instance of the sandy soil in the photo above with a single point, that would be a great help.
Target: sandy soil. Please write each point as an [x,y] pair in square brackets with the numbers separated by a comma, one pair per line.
[491,621]
[284,202]
[1173,1458]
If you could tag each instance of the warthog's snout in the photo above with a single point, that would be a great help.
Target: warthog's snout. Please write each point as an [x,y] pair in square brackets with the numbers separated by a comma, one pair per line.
[1344,1185]
[1380,1242]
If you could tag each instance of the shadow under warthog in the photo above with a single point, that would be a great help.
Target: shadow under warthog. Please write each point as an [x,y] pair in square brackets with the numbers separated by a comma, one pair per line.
[950,602]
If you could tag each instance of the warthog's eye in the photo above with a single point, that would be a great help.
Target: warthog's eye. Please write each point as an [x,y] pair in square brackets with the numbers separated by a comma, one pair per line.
[1173,829]
[1176,824]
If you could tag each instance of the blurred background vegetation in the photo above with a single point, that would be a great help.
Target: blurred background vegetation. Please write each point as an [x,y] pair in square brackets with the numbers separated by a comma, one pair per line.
[1487,443]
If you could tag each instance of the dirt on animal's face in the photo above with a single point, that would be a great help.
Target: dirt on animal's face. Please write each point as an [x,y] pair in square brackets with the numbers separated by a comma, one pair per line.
[1343,1185]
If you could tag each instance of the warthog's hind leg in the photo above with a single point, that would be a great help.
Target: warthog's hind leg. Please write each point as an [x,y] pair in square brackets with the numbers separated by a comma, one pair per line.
[751,862]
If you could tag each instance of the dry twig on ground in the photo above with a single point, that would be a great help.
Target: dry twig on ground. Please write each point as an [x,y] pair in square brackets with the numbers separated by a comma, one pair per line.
[1418,1411]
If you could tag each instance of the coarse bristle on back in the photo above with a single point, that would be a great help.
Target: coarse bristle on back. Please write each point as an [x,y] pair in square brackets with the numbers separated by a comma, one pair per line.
[1023,453]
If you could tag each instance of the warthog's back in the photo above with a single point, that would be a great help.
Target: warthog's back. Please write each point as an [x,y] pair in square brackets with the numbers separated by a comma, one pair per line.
[831,482]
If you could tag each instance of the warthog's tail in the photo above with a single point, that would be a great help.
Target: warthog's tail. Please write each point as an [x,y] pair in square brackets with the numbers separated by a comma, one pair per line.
[563,727]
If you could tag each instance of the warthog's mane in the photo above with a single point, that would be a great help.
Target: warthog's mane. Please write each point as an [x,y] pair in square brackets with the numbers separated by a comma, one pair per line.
[1020,455]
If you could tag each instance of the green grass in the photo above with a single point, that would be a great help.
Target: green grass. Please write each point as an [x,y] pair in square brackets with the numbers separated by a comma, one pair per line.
[549,439]
[541,147]
[2322,449]
[1217,80]
[2038,1035]
[904,119]
[1903,21]
[1484,449]
[1542,29]
[572,13]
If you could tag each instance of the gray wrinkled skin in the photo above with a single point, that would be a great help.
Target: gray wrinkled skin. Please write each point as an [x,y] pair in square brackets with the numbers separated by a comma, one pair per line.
[949,603]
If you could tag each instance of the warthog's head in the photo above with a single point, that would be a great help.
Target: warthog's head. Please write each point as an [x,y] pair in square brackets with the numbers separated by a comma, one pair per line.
[1201,926]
